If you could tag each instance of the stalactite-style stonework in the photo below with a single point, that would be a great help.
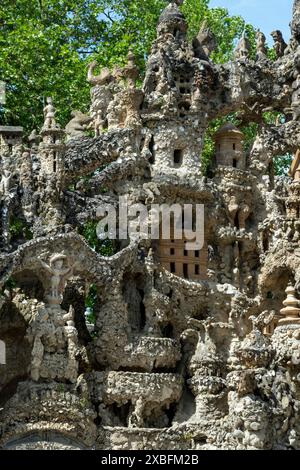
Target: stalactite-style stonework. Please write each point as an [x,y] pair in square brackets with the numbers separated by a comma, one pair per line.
[152,347]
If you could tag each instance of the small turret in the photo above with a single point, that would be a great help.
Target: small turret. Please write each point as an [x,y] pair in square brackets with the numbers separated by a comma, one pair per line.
[229,147]
[51,147]
[173,22]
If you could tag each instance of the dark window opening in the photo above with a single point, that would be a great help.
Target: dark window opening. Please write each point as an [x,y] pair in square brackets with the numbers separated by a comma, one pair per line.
[172,251]
[143,318]
[54,166]
[178,157]
[185,271]
[266,241]
[185,253]
[236,221]
[197,254]
[10,147]
[233,146]
[197,269]
[176,31]
[151,148]
[173,267]
[182,90]
[234,163]
[168,331]
[172,241]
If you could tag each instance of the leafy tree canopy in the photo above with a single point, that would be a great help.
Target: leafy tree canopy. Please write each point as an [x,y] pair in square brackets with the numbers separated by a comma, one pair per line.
[46,45]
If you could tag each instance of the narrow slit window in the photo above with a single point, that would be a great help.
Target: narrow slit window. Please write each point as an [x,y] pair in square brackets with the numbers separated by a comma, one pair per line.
[173,268]
[178,157]
[186,271]
[197,269]
[172,251]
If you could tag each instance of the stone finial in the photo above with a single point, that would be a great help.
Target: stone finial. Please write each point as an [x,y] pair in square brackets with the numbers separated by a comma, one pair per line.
[291,308]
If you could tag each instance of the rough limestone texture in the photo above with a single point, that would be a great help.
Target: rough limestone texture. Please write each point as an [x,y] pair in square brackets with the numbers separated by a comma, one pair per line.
[169,363]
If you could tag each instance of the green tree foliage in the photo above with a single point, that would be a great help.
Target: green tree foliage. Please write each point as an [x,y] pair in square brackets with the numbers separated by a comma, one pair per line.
[102,247]
[46,45]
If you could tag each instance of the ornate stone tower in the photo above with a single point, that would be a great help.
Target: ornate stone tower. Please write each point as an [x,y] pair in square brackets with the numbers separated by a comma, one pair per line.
[52,146]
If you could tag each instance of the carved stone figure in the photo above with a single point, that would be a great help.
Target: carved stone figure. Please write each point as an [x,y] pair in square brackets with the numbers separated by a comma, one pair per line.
[279,43]
[78,125]
[261,49]
[49,114]
[5,183]
[243,49]
[59,271]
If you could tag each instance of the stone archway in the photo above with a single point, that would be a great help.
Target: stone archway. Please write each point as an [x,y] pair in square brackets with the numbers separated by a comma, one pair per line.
[44,440]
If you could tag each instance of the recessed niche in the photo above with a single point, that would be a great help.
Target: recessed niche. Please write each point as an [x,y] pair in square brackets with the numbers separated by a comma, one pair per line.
[178,158]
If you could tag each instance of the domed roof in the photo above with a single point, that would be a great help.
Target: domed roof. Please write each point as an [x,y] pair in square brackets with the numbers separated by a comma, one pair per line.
[229,129]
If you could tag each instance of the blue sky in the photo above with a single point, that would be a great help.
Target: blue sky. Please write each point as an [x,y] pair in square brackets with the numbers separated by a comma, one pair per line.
[266,15]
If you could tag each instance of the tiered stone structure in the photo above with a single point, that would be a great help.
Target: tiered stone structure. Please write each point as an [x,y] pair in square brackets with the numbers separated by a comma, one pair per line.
[174,361]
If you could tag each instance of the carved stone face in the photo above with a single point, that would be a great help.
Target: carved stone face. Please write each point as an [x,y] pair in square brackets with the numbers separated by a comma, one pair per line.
[58,264]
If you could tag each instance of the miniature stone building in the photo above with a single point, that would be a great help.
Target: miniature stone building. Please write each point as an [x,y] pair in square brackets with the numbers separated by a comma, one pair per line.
[176,359]
[229,147]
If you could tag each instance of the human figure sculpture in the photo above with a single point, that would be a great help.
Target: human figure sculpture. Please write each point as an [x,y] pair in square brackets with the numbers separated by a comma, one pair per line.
[5,183]
[136,419]
[131,71]
[49,113]
[261,49]
[58,272]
